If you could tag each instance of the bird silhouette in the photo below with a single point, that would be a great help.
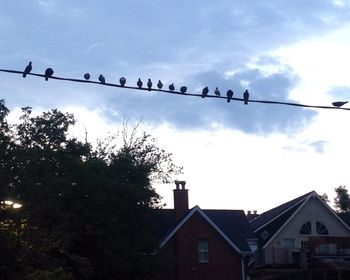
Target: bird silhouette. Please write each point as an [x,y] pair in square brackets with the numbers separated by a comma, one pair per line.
[339,103]
[217,91]
[48,73]
[229,95]
[87,76]
[102,79]
[246,97]
[149,84]
[183,89]
[27,70]
[122,81]
[172,87]
[205,92]
[139,83]
[160,84]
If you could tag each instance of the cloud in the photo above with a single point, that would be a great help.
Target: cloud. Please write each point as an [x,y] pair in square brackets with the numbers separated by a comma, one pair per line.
[222,45]
[319,146]
[196,113]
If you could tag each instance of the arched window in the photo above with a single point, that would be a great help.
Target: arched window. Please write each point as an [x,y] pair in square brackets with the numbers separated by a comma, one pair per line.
[306,228]
[321,229]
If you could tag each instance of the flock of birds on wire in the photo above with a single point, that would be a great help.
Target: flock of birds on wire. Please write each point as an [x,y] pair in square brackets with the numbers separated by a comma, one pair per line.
[229,94]
[49,72]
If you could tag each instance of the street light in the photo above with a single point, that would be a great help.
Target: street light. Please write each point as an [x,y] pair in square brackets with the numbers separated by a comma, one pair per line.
[12,204]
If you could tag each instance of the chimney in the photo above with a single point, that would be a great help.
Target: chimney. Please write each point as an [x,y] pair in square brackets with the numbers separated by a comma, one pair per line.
[180,200]
[251,216]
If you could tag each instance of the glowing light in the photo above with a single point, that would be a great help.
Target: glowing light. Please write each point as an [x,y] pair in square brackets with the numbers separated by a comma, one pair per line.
[13,204]
[16,205]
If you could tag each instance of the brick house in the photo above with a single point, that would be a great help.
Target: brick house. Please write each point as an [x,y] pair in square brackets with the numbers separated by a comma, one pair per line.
[201,244]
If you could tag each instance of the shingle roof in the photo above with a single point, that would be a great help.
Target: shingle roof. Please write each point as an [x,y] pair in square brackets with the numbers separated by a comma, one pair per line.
[268,223]
[345,217]
[269,215]
[232,223]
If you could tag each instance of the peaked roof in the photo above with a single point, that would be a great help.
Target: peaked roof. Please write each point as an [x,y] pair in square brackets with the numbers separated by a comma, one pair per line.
[270,222]
[345,217]
[232,225]
[276,212]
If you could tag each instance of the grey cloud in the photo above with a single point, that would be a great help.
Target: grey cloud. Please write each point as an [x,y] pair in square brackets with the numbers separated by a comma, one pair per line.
[188,112]
[319,146]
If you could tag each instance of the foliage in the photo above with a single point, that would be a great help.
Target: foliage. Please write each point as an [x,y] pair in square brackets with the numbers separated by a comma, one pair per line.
[86,210]
[342,199]
[325,198]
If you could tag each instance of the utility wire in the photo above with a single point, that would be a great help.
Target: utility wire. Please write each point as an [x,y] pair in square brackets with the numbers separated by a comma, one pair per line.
[177,92]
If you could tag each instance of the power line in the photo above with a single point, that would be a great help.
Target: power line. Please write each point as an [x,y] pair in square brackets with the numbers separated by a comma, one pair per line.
[176,92]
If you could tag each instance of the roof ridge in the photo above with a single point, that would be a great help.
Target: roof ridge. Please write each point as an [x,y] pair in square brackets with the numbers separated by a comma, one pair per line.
[279,210]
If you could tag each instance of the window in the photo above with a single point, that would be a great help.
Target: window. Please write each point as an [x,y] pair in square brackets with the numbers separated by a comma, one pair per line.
[321,229]
[203,251]
[323,249]
[306,228]
[288,243]
[304,244]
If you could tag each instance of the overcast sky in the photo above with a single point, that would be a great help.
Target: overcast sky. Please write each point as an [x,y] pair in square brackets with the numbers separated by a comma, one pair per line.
[235,156]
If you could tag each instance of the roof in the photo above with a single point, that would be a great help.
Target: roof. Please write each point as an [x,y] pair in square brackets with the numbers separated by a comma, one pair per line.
[267,225]
[231,224]
[273,213]
[345,217]
[234,224]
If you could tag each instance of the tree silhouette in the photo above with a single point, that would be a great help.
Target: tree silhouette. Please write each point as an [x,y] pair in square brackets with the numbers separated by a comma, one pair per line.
[86,210]
[342,199]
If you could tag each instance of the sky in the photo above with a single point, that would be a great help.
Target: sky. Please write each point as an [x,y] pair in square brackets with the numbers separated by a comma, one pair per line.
[235,156]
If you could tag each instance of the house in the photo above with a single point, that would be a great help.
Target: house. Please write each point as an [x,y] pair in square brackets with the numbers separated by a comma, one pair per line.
[202,244]
[301,239]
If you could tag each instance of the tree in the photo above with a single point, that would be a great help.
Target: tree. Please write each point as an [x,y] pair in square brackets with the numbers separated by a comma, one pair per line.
[342,199]
[325,198]
[86,210]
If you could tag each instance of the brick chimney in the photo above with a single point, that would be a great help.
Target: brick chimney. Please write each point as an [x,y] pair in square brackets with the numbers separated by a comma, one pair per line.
[180,200]
[251,216]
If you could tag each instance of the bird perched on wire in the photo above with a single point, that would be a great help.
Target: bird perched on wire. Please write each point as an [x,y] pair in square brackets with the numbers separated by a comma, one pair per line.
[48,73]
[171,87]
[205,92]
[28,69]
[102,79]
[229,95]
[149,84]
[139,83]
[122,81]
[160,84]
[87,76]
[246,97]
[339,103]
[183,89]
[217,91]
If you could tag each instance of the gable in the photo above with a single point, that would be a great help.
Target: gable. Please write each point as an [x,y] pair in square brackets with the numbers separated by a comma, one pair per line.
[235,238]
[266,233]
[315,211]
[271,215]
